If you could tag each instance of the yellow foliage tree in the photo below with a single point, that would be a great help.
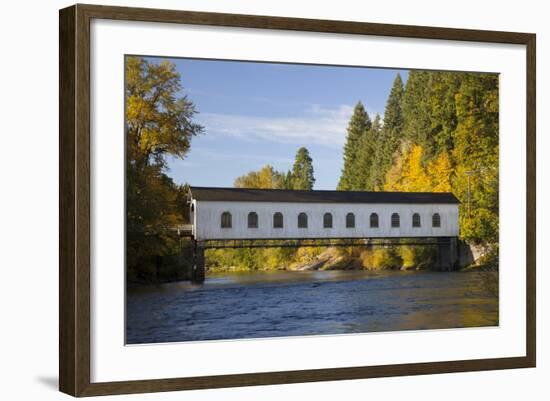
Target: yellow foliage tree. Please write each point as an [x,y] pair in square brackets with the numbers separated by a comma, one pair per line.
[416,177]
[407,172]
[263,179]
[439,171]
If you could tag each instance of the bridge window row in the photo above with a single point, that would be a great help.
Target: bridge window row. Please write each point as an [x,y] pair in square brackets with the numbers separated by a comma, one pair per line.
[278,220]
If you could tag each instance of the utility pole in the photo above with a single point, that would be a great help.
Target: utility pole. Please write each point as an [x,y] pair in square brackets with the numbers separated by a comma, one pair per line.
[469,173]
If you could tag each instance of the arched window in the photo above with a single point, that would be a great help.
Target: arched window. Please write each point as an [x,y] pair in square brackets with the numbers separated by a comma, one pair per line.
[226,220]
[278,220]
[252,220]
[416,220]
[327,220]
[302,220]
[373,220]
[395,220]
[436,220]
[350,220]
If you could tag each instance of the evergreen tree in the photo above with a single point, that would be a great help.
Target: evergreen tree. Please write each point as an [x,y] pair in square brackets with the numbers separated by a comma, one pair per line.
[376,126]
[390,135]
[287,180]
[358,126]
[363,179]
[302,170]
[441,104]
[416,110]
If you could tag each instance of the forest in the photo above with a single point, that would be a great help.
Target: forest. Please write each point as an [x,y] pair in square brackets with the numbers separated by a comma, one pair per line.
[439,133]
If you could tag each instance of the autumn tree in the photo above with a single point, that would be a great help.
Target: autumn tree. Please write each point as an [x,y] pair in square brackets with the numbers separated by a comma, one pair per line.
[451,120]
[407,173]
[158,124]
[265,178]
[440,172]
[159,120]
[476,156]
[300,177]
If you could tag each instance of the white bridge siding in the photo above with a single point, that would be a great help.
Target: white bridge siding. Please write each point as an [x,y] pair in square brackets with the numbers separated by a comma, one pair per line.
[206,220]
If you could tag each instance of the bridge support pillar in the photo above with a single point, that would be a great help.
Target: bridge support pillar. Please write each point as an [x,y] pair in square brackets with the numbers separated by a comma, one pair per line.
[199,271]
[447,253]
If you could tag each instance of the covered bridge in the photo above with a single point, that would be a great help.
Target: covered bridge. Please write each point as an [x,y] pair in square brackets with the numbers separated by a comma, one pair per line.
[225,214]
[238,213]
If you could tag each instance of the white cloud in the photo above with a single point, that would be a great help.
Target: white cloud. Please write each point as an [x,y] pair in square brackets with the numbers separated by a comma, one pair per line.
[326,126]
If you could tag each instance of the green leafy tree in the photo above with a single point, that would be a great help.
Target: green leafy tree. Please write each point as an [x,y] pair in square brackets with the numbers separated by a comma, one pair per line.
[476,154]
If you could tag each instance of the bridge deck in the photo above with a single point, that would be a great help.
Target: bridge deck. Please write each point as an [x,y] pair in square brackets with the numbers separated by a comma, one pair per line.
[322,242]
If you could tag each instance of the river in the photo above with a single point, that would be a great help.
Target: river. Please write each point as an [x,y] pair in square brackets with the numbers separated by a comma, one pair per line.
[280,303]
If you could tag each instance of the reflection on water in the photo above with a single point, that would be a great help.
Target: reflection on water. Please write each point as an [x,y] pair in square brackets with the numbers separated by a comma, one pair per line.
[273,304]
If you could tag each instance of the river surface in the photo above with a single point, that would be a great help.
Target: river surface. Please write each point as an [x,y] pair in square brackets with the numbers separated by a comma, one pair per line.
[280,303]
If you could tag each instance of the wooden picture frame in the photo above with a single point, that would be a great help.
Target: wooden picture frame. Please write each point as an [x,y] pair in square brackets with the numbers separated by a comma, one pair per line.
[74,204]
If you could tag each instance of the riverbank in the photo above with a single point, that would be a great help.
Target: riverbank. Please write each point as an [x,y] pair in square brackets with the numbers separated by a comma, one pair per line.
[332,258]
[472,258]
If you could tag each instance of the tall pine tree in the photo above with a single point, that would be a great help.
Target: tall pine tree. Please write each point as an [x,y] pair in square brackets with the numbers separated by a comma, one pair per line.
[417,127]
[390,135]
[302,170]
[358,126]
[363,180]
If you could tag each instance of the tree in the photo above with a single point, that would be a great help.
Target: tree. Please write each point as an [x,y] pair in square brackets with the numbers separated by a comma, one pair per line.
[440,172]
[407,173]
[359,124]
[285,180]
[450,138]
[302,170]
[265,178]
[390,135]
[158,123]
[300,177]
[416,111]
[441,106]
[476,154]
[366,156]
[158,119]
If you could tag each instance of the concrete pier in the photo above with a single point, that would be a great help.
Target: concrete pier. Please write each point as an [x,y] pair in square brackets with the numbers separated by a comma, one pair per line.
[199,271]
[447,254]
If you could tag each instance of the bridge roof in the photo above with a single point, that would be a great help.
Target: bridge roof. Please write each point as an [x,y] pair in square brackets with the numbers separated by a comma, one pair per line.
[285,195]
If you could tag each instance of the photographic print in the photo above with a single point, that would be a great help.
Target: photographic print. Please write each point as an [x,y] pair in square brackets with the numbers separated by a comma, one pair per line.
[280,199]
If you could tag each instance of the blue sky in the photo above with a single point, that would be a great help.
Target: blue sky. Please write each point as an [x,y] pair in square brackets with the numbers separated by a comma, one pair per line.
[261,113]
